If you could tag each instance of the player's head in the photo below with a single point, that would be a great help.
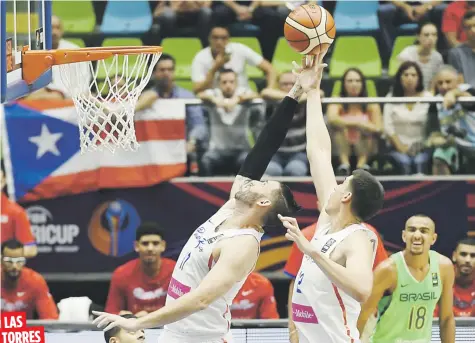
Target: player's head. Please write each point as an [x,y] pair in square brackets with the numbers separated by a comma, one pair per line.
[56,31]
[464,259]
[164,72]
[427,35]
[118,335]
[286,81]
[264,200]
[149,242]
[361,194]
[13,259]
[468,23]
[218,39]
[446,79]
[408,79]
[419,234]
[227,80]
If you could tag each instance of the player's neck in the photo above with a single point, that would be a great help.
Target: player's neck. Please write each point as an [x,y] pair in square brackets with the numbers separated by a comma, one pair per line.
[341,221]
[464,281]
[416,261]
[242,219]
[151,269]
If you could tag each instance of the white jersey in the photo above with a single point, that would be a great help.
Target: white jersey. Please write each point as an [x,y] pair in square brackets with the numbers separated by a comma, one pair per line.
[194,263]
[321,311]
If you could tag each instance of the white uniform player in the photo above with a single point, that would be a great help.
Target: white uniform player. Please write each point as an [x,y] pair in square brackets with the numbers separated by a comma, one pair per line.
[319,308]
[196,259]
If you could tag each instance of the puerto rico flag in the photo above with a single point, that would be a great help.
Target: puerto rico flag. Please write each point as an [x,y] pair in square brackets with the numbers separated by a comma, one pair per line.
[42,154]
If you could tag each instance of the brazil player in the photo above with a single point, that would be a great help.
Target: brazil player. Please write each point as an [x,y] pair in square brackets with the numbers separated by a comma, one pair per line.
[408,286]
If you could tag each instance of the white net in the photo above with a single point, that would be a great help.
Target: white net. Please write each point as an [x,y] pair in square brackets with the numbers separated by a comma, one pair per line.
[105,97]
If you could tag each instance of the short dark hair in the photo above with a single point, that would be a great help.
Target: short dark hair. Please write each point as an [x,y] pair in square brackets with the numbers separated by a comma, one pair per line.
[367,195]
[12,244]
[466,241]
[398,89]
[167,57]
[284,204]
[148,228]
[468,15]
[115,331]
[226,71]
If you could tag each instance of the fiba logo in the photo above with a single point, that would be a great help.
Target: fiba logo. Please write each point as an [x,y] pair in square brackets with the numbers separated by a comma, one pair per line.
[112,228]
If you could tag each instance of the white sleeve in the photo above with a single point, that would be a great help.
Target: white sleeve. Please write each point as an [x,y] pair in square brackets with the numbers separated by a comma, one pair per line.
[198,69]
[388,120]
[405,55]
[251,57]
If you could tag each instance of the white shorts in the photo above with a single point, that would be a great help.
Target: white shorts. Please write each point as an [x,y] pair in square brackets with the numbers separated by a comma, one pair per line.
[171,337]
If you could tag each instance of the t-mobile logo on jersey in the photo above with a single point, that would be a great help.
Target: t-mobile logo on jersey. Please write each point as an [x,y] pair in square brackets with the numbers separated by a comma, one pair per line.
[177,289]
[303,314]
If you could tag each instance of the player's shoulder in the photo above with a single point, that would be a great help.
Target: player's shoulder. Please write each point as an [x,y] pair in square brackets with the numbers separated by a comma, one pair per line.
[387,269]
[203,55]
[31,276]
[168,263]
[126,269]
[445,264]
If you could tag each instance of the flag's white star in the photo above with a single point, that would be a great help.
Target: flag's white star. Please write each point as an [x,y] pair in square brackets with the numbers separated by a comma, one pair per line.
[46,142]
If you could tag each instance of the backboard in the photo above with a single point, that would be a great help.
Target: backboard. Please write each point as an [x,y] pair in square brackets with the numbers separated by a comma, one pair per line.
[23,24]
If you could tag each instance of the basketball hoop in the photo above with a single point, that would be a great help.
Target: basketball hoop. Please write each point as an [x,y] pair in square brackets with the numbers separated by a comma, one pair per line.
[105,109]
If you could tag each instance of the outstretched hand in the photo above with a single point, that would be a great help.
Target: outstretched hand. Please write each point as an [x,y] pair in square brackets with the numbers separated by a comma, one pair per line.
[108,321]
[295,235]
[309,74]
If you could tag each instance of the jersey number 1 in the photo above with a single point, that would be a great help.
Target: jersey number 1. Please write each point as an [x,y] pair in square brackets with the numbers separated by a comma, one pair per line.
[417,317]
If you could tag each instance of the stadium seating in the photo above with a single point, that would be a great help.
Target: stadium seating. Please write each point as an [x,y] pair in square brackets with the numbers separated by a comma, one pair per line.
[399,44]
[361,52]
[187,84]
[77,16]
[370,87]
[122,17]
[356,16]
[252,43]
[183,50]
[284,55]
[101,74]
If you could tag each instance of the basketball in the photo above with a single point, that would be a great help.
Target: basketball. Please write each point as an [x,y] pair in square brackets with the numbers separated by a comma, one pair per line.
[309,29]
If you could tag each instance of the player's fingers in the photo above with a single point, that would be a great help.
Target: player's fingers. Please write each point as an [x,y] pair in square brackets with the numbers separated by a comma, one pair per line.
[289,237]
[110,326]
[103,322]
[296,66]
[290,226]
[99,319]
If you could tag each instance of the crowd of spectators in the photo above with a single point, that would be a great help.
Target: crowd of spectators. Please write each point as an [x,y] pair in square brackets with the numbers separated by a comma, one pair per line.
[403,138]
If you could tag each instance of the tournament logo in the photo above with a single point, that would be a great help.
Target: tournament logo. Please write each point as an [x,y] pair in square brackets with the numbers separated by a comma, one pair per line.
[52,235]
[435,280]
[327,245]
[112,228]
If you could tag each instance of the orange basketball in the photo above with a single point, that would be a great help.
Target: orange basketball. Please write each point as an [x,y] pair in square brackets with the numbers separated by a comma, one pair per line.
[309,29]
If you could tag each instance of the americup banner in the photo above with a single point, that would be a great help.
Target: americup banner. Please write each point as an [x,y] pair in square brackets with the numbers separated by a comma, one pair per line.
[42,154]
[93,232]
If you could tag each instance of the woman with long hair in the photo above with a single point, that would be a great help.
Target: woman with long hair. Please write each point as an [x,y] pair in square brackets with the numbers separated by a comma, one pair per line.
[424,53]
[354,125]
[405,124]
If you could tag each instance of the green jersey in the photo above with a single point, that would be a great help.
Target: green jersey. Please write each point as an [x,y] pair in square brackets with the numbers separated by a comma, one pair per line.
[406,315]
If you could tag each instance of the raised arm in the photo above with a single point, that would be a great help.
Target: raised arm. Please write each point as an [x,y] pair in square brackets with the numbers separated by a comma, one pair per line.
[318,139]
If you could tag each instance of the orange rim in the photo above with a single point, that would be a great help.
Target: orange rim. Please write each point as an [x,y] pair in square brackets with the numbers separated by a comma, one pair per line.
[36,62]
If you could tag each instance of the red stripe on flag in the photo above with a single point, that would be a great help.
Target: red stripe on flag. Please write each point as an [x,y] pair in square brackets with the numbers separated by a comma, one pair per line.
[110,177]
[157,130]
[41,105]
[343,312]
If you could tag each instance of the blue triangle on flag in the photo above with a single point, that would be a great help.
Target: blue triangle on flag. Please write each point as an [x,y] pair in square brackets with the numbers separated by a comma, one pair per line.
[39,144]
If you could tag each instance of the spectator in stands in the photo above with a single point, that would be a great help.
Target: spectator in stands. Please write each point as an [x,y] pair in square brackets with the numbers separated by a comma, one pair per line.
[228,11]
[393,13]
[222,54]
[452,21]
[424,53]
[140,286]
[355,126]
[14,223]
[56,89]
[255,299]
[163,86]
[229,118]
[451,124]
[462,57]
[23,289]
[291,158]
[464,287]
[171,15]
[119,335]
[294,262]
[405,124]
